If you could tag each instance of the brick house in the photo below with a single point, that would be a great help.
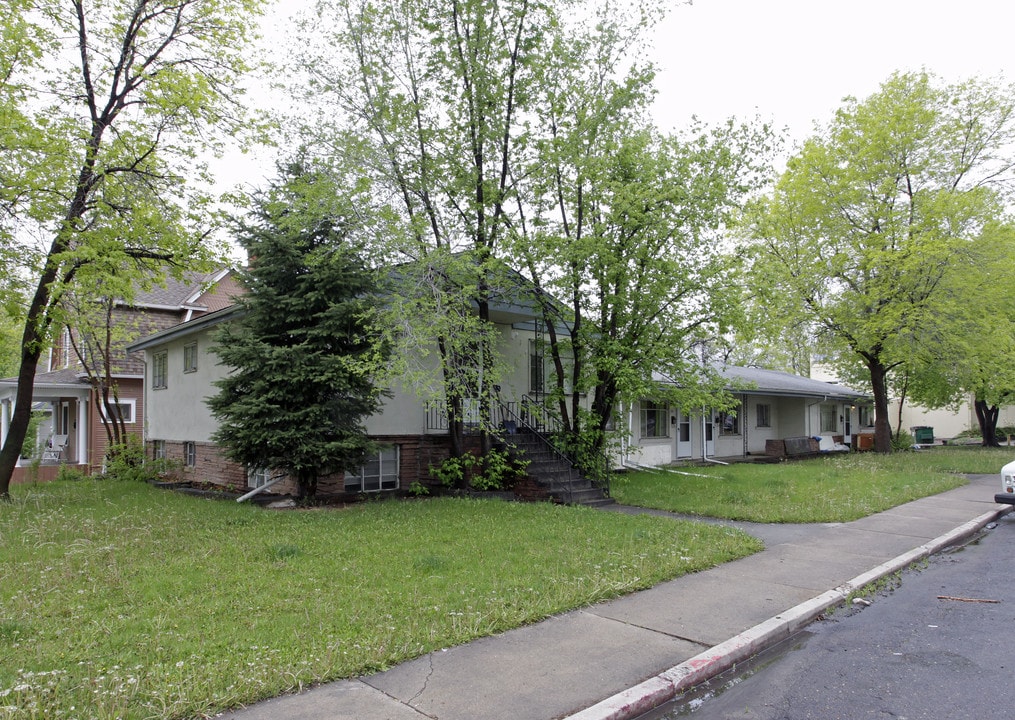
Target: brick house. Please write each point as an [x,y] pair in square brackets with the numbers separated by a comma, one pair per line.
[72,431]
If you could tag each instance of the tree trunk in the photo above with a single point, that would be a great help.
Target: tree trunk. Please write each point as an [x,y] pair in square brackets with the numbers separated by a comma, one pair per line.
[37,325]
[882,425]
[987,417]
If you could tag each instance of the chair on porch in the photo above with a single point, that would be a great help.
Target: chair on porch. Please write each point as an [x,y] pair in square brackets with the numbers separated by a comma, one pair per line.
[54,449]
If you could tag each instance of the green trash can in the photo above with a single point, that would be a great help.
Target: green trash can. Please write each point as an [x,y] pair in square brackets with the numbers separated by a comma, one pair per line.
[923,435]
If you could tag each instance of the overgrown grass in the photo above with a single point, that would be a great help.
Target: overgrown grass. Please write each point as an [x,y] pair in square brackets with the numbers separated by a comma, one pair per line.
[836,488]
[121,600]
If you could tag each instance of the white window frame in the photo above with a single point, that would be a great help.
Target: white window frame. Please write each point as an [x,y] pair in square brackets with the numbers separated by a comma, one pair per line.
[379,474]
[190,453]
[190,357]
[258,477]
[827,411]
[654,422]
[158,449]
[126,402]
[865,416]
[729,421]
[160,370]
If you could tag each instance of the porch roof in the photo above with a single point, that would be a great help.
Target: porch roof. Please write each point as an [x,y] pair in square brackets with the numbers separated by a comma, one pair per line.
[66,382]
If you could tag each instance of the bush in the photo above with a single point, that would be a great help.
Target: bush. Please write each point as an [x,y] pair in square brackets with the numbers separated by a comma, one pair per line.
[903,440]
[126,461]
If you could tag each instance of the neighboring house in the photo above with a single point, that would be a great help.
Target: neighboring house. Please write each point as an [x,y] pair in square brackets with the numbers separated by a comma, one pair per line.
[773,406]
[72,432]
[946,424]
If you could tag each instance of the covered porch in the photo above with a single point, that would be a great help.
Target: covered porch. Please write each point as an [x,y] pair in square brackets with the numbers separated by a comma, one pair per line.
[60,401]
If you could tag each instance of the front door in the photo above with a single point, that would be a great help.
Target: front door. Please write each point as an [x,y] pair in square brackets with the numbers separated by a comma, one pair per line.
[710,422]
[684,449]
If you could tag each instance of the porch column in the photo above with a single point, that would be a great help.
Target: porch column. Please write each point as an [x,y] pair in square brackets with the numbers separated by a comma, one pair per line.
[82,439]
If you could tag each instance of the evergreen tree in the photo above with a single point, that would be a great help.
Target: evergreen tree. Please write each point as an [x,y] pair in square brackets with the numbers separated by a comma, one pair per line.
[302,349]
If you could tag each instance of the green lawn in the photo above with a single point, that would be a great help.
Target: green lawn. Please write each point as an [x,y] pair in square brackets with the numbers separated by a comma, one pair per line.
[835,488]
[121,600]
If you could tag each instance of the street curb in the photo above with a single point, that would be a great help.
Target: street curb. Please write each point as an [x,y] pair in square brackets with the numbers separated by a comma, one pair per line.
[650,694]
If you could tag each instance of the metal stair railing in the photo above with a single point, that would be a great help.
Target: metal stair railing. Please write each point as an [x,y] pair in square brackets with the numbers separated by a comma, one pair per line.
[520,421]
[547,422]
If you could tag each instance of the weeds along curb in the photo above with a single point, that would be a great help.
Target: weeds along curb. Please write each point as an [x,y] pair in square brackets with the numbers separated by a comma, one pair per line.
[667,685]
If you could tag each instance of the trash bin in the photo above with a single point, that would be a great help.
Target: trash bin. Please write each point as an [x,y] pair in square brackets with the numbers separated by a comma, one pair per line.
[923,435]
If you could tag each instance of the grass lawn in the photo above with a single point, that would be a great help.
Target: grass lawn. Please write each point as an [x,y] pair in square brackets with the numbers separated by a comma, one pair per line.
[835,488]
[121,600]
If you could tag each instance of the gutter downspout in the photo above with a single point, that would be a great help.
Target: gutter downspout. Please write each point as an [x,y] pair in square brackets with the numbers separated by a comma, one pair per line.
[260,489]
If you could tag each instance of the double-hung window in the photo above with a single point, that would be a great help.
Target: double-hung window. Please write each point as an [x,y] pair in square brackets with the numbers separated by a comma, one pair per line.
[160,370]
[829,419]
[190,357]
[190,454]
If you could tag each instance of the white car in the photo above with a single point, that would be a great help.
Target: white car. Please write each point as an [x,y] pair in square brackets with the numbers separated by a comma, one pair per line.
[1007,485]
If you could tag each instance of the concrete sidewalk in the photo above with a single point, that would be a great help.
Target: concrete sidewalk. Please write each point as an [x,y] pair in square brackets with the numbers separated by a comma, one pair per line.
[619,659]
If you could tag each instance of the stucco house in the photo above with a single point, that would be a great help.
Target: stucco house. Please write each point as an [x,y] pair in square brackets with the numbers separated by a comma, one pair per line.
[772,407]
[72,432]
[181,370]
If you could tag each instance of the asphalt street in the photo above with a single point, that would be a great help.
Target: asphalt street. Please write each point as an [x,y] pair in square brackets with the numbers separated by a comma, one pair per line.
[933,645]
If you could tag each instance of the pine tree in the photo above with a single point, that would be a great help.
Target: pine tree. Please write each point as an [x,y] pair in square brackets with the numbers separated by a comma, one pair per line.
[301,348]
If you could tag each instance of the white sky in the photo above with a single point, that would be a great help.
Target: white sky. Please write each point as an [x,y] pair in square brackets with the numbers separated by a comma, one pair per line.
[792,61]
[789,62]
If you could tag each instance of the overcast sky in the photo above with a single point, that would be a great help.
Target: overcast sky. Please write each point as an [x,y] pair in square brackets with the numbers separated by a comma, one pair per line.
[789,61]
[792,61]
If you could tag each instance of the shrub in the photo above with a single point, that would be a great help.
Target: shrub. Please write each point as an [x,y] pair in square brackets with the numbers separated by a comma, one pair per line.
[903,440]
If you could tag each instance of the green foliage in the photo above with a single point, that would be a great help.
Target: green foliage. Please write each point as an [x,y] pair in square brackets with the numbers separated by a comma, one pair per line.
[418,489]
[902,440]
[303,344]
[107,109]
[145,603]
[494,470]
[877,233]
[30,448]
[127,461]
[70,473]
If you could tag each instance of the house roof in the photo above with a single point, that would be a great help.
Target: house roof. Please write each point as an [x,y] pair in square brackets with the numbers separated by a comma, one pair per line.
[756,381]
[184,292]
[185,329]
[774,382]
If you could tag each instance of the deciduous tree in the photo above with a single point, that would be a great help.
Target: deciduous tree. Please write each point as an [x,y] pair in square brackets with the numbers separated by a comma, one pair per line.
[111,104]
[874,214]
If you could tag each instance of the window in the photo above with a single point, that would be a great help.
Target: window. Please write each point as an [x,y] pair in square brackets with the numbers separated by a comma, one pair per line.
[653,420]
[158,449]
[764,415]
[122,410]
[190,454]
[829,418]
[257,477]
[190,357]
[866,416]
[729,423]
[160,370]
[379,473]
[537,374]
